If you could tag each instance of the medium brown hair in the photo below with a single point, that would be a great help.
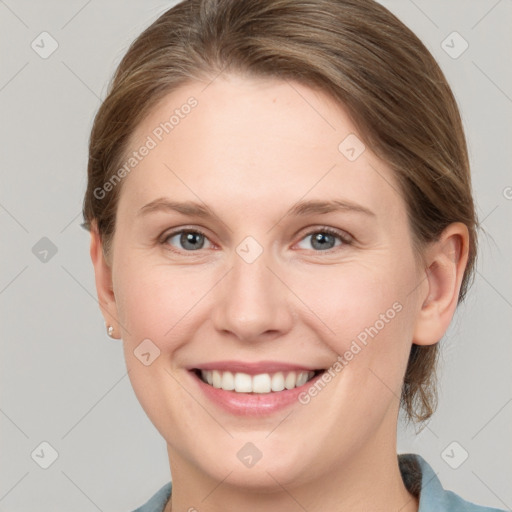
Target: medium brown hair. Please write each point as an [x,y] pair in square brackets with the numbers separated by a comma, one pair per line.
[358,53]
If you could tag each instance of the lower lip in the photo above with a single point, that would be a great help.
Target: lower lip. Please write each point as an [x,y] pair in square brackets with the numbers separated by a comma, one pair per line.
[252,404]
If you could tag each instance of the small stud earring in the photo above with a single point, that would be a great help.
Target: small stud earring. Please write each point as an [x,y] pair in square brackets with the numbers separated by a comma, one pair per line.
[110,331]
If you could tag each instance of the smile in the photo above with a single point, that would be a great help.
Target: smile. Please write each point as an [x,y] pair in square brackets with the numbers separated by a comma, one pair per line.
[240,382]
[257,388]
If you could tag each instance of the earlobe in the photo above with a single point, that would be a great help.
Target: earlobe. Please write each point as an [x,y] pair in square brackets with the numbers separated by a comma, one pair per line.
[103,279]
[446,261]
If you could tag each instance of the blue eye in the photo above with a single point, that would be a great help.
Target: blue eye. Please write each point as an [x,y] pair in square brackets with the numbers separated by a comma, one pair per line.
[188,240]
[325,239]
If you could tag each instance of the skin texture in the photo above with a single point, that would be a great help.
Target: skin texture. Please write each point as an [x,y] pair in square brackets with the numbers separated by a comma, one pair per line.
[250,150]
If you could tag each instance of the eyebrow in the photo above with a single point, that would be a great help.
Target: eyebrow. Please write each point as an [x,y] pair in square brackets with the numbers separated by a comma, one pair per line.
[301,208]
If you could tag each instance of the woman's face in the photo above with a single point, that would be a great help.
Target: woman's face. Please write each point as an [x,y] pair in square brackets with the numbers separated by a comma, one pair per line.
[284,249]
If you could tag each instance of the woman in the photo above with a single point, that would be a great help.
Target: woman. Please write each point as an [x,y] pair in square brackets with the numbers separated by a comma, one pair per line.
[282,226]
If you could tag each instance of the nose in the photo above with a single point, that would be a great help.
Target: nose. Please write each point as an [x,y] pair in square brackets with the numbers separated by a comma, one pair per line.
[252,303]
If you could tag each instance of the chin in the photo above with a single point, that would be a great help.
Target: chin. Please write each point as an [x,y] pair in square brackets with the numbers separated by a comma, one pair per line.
[259,466]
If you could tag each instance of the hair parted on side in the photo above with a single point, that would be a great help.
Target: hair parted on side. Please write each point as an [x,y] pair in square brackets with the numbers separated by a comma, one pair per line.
[358,53]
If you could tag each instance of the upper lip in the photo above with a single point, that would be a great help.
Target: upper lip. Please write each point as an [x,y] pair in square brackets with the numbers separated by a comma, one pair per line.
[253,368]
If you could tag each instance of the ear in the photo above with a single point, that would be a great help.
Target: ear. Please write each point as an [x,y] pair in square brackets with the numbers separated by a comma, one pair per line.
[103,278]
[446,260]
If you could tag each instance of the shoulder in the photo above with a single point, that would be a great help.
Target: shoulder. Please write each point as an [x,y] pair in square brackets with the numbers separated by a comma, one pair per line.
[420,478]
[157,502]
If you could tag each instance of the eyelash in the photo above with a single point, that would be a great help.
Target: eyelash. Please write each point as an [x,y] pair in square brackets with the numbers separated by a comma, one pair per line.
[344,238]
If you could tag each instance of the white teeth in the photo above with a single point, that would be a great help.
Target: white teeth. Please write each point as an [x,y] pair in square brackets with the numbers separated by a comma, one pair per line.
[302,379]
[277,383]
[261,383]
[243,383]
[217,379]
[291,380]
[228,381]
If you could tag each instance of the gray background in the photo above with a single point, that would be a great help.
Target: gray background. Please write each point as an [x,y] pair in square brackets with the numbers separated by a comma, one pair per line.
[64,381]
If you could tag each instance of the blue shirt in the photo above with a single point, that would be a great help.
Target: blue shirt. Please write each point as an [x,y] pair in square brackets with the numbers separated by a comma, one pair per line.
[419,479]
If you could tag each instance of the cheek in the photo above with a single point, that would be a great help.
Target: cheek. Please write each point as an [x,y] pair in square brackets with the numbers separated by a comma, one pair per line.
[160,304]
[153,300]
[350,297]
[366,315]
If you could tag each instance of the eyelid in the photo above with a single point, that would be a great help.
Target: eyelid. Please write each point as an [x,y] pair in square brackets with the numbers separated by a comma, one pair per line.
[172,232]
[162,239]
[346,238]
[320,228]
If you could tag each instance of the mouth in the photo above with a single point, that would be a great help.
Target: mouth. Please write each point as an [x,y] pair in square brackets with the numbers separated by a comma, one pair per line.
[261,383]
[256,389]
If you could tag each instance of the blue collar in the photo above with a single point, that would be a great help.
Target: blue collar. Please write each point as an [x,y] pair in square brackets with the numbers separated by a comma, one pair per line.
[419,479]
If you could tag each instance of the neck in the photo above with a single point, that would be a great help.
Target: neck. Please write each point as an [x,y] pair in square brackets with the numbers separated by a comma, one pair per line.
[368,479]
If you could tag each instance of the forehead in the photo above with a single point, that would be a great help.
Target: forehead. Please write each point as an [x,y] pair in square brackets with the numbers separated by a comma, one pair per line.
[249,142]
